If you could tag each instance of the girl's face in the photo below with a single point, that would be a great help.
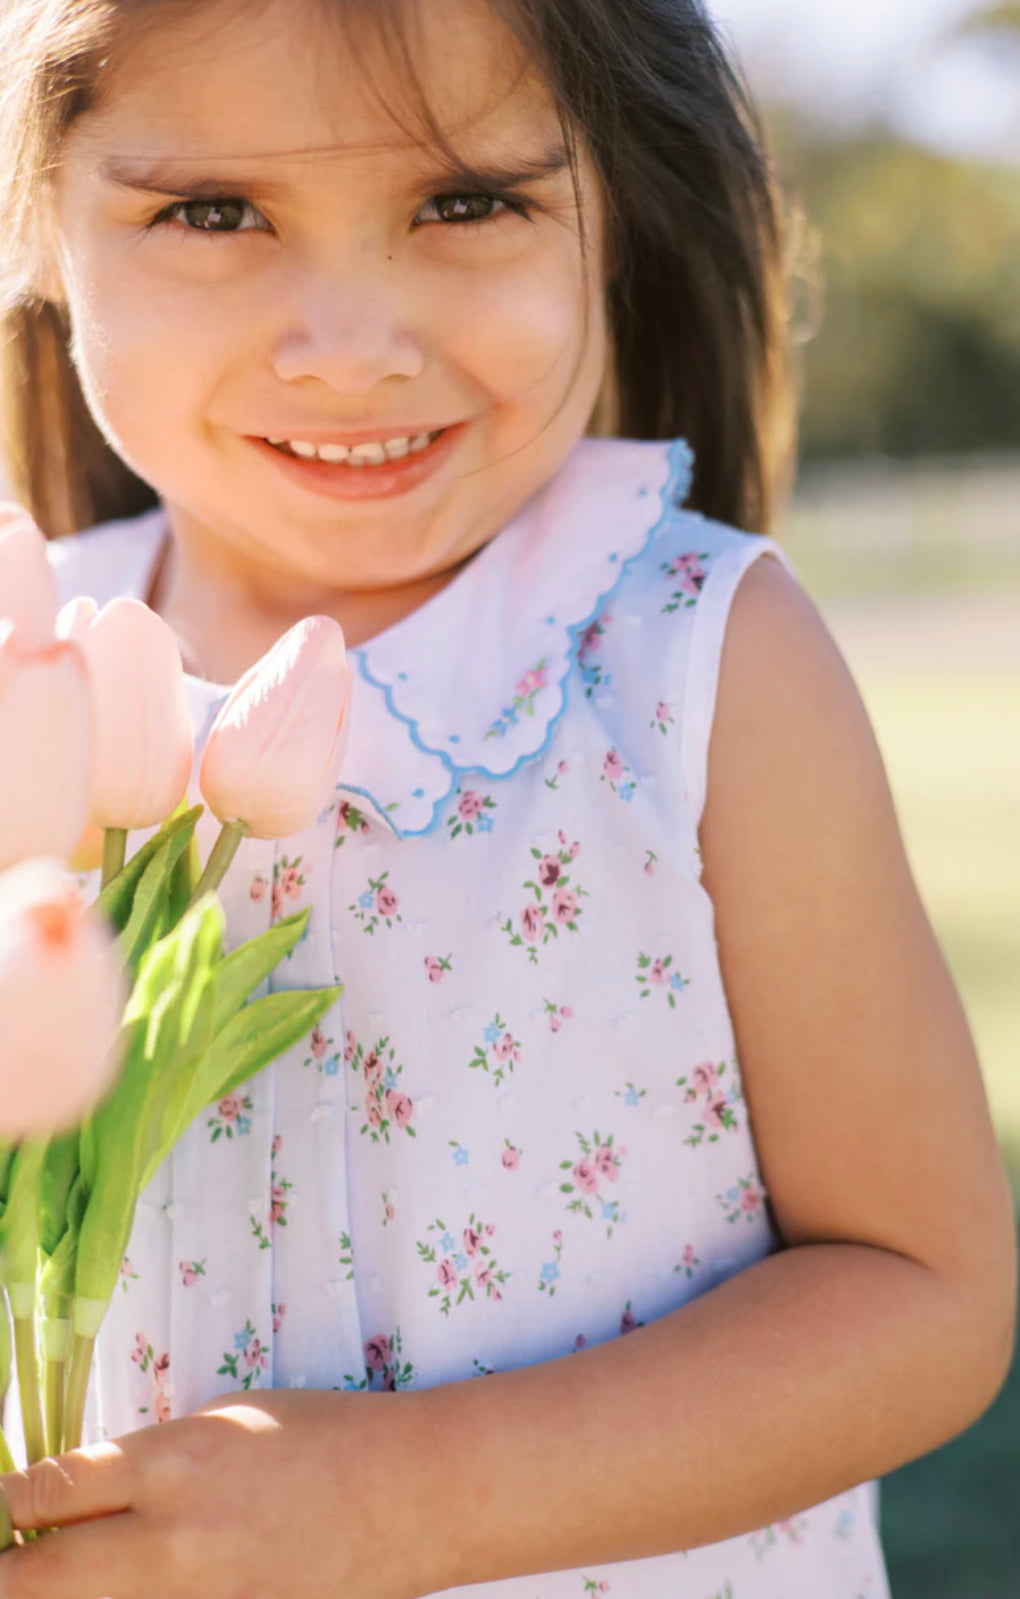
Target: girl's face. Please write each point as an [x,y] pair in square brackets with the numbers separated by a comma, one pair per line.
[251,247]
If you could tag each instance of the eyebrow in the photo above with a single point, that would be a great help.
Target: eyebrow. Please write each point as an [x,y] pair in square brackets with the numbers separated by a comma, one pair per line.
[174,178]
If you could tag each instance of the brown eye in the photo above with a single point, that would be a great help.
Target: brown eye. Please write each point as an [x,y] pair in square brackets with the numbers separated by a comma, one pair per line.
[223,214]
[463,208]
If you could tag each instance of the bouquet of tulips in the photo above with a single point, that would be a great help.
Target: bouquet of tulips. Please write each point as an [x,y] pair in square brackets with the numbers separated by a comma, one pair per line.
[121,1020]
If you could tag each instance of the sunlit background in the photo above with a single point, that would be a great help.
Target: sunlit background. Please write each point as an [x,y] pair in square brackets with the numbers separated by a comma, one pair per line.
[896,123]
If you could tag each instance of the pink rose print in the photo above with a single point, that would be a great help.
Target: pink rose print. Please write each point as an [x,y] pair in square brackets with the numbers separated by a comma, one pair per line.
[319,1043]
[689,1261]
[377,1353]
[278,1203]
[191,1271]
[564,906]
[613,766]
[549,871]
[436,965]
[689,568]
[557,1014]
[650,862]
[230,1107]
[127,1274]
[542,919]
[288,881]
[349,1047]
[532,683]
[348,820]
[580,1342]
[504,1048]
[718,1107]
[387,1106]
[386,902]
[655,973]
[399,1108]
[157,1368]
[599,1161]
[232,1117]
[593,673]
[279,1313]
[385,1368]
[628,1321]
[473,813]
[745,1199]
[471,803]
[258,887]
[511,1157]
[586,1177]
[475,1267]
[377,904]
[249,1350]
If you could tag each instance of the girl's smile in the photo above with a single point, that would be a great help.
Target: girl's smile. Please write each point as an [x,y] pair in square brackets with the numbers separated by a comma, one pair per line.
[433,311]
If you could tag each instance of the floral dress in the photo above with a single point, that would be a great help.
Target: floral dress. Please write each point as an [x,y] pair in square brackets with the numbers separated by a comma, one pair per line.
[520,1130]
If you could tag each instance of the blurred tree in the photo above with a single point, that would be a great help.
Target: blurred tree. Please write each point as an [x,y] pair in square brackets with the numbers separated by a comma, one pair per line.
[918,348]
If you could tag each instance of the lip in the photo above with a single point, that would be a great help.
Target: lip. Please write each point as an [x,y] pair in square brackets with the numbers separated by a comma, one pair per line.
[338,481]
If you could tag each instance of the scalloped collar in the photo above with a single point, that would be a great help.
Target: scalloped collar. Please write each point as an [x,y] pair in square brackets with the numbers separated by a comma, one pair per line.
[474,680]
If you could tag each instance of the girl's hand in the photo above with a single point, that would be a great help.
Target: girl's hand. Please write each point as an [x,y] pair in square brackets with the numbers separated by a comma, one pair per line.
[315,1494]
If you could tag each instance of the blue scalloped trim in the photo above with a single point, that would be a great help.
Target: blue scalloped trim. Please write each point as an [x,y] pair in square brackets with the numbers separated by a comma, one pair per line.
[672,495]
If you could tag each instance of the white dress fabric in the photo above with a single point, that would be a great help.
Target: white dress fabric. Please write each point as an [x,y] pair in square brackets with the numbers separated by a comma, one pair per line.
[520,1129]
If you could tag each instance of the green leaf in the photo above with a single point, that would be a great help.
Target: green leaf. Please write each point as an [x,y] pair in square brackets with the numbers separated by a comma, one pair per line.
[60,1168]
[256,1036]
[148,912]
[19,1225]
[117,897]
[240,972]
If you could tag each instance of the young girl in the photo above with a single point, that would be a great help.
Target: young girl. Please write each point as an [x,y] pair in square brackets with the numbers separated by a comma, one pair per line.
[433,319]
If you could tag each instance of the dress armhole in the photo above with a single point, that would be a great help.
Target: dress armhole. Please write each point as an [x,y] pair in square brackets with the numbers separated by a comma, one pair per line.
[705,658]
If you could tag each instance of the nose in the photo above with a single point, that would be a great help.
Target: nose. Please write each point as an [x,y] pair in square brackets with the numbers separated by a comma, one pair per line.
[348,337]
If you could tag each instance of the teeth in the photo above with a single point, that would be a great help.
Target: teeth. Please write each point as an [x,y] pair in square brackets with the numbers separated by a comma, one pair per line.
[367,455]
[375,453]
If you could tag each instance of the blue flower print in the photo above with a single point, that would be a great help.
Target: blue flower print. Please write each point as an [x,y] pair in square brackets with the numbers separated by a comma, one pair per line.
[447,1242]
[550,1271]
[460,1261]
[610,1210]
[632,1097]
[492,1032]
[626,791]
[241,1340]
[460,1156]
[365,899]
[244,1124]
[678,982]
[390,1077]
[332,1067]
[484,823]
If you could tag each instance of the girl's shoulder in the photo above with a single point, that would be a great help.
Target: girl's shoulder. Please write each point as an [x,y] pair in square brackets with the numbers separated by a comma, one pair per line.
[109,560]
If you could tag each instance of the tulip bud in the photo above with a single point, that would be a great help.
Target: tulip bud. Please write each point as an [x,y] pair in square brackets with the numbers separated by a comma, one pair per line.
[274,751]
[62,995]
[45,747]
[28,587]
[144,748]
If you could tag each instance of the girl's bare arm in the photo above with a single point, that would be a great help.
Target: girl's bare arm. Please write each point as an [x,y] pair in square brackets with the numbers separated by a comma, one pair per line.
[887,1325]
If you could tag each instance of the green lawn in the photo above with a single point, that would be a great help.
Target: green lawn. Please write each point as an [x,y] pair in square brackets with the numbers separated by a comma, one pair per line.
[950,736]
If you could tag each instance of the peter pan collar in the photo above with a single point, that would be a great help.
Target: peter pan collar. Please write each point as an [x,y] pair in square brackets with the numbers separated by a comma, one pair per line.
[475,680]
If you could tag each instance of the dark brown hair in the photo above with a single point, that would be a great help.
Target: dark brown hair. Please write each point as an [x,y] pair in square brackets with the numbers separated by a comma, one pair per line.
[699,231]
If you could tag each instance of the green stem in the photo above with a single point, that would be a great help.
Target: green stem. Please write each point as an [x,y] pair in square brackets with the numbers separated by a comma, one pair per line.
[28,1388]
[223,852]
[7,1460]
[114,851]
[77,1389]
[56,1372]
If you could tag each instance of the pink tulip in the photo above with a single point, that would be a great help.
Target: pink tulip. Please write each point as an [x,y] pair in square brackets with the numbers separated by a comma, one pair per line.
[46,747]
[62,995]
[144,746]
[28,587]
[274,751]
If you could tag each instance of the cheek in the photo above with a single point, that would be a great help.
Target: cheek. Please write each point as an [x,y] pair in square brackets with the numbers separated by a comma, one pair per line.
[520,329]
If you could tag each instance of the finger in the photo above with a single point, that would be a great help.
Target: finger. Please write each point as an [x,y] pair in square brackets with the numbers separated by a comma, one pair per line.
[110,1556]
[96,1481]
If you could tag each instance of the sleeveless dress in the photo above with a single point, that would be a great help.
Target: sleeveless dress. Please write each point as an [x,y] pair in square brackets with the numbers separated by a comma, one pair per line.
[520,1130]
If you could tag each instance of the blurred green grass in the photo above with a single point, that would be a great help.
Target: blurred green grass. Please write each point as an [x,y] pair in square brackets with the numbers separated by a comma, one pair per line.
[942,688]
